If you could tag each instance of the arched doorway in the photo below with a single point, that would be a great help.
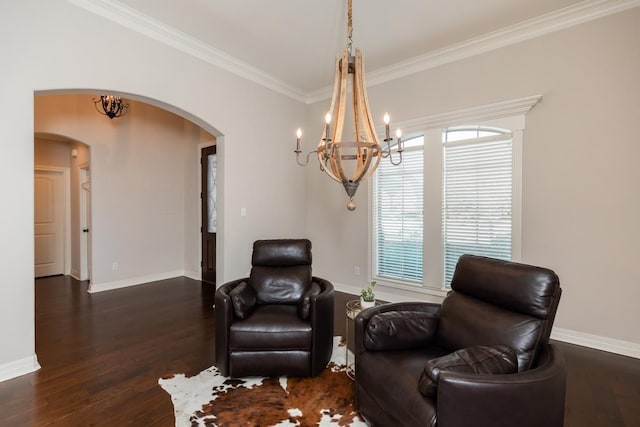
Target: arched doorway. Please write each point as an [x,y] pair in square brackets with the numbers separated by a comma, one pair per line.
[145,185]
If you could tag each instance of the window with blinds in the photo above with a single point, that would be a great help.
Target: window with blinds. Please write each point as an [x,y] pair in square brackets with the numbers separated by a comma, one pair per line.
[398,217]
[477,194]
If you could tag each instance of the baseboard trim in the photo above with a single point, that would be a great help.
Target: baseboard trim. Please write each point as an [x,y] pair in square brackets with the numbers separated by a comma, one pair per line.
[195,275]
[75,274]
[19,367]
[393,294]
[133,281]
[611,345]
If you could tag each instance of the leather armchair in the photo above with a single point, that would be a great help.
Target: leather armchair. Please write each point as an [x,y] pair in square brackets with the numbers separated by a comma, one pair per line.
[492,304]
[279,320]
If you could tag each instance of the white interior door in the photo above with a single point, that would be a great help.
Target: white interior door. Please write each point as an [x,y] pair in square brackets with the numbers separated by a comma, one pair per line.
[49,194]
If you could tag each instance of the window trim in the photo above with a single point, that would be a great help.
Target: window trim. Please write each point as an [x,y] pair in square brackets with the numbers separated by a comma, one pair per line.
[511,115]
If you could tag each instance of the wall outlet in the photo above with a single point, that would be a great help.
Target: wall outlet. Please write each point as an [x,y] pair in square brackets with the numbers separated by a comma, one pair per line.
[114,266]
[356,271]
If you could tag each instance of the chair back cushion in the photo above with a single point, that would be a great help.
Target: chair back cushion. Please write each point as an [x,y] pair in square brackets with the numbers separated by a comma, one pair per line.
[281,270]
[495,302]
[281,253]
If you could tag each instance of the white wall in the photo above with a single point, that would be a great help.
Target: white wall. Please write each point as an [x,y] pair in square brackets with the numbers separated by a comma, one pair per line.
[48,46]
[581,200]
[52,152]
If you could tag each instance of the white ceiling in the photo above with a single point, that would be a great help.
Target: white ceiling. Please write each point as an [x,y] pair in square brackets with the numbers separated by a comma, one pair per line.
[295,41]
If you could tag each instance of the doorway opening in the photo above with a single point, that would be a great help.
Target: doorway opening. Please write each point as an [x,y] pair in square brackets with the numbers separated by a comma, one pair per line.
[61,207]
[208,201]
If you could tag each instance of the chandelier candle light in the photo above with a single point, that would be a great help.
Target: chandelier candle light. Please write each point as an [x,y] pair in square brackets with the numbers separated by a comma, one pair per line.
[112,106]
[365,151]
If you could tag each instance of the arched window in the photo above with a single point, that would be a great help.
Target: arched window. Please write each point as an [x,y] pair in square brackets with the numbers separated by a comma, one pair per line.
[457,191]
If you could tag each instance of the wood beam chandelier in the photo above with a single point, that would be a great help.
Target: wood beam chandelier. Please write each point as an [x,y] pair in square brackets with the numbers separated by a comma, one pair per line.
[351,162]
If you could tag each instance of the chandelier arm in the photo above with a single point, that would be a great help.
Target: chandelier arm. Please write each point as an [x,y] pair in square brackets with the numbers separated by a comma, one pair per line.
[399,160]
[336,164]
[95,104]
[336,83]
[364,163]
[327,169]
[364,113]
[335,159]
[361,151]
[369,127]
[323,167]
[365,169]
[342,97]
[307,159]
[361,163]
[356,107]
[373,168]
[323,142]
[323,160]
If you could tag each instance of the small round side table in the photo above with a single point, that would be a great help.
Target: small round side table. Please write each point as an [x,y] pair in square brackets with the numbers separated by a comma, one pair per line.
[352,309]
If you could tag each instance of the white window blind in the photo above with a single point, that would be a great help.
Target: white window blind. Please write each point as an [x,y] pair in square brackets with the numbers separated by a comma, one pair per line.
[398,217]
[477,198]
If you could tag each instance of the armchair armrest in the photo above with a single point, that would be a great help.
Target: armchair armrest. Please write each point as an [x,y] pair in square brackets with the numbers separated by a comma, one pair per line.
[224,317]
[527,399]
[363,318]
[321,318]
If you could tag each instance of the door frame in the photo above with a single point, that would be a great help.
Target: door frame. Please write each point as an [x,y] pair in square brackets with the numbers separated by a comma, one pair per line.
[199,224]
[85,220]
[66,177]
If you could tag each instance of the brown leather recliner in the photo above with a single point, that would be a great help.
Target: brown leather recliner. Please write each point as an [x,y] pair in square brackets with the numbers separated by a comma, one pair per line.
[482,358]
[278,321]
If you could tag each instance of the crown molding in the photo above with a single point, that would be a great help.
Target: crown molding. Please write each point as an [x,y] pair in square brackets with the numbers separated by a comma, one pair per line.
[567,17]
[132,19]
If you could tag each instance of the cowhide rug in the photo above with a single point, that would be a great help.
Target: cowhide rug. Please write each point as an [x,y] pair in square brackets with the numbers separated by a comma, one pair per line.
[210,399]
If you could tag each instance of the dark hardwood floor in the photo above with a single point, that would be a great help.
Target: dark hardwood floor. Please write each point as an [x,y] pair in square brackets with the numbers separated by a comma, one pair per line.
[102,355]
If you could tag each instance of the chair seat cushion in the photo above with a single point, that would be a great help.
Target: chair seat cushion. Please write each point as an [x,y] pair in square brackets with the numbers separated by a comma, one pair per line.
[498,359]
[391,380]
[271,327]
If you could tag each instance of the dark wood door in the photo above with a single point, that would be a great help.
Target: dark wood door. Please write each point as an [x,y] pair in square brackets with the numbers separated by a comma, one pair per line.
[208,159]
